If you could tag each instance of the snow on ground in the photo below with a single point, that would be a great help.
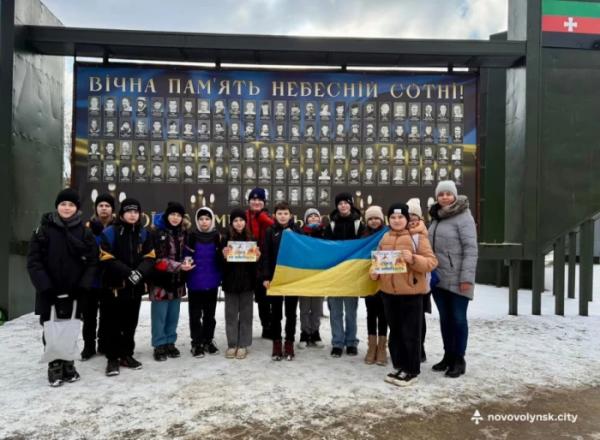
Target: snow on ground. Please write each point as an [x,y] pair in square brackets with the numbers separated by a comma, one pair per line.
[215,397]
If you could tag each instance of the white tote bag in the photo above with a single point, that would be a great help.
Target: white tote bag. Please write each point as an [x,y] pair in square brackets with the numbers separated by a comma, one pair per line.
[61,337]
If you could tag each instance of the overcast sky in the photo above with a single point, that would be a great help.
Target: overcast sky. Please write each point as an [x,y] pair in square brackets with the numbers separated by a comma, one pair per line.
[462,19]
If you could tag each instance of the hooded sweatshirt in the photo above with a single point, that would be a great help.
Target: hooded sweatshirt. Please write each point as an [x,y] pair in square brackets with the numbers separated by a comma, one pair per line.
[205,249]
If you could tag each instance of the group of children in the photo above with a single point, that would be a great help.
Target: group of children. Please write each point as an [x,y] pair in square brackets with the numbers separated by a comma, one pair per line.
[113,260]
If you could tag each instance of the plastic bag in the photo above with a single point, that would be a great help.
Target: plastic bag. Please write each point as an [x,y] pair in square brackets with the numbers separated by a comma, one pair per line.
[61,337]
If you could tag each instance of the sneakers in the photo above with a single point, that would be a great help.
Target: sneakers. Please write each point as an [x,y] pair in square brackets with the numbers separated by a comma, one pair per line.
[351,351]
[130,362]
[241,353]
[230,353]
[197,351]
[288,350]
[277,351]
[160,354]
[70,374]
[112,367]
[211,348]
[401,378]
[172,351]
[88,352]
[337,352]
[55,373]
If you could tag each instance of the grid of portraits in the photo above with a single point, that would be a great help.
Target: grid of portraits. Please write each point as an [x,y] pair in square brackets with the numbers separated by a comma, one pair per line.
[299,150]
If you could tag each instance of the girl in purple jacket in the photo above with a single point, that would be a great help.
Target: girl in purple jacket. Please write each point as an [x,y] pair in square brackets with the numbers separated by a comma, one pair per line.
[204,247]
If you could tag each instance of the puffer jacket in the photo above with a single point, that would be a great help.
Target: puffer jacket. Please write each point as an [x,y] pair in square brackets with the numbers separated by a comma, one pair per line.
[168,280]
[62,259]
[206,250]
[414,281]
[453,237]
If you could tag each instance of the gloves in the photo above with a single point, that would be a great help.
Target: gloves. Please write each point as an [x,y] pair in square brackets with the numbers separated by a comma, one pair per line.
[134,277]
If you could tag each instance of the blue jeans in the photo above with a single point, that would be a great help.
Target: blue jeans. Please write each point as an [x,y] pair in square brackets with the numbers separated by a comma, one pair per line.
[453,320]
[341,337]
[165,317]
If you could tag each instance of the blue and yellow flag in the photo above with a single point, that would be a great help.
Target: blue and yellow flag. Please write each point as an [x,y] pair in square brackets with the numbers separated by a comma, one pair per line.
[309,266]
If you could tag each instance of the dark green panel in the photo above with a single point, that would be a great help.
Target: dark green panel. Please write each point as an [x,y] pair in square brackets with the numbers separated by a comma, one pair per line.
[570,191]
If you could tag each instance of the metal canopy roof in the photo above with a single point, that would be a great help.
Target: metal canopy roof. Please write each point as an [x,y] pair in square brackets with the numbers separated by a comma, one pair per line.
[267,49]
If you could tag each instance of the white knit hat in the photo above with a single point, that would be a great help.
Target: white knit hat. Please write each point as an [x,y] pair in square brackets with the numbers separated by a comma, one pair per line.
[446,186]
[414,207]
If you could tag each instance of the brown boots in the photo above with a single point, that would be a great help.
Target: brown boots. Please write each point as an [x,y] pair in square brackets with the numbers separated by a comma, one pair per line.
[371,350]
[377,350]
[381,358]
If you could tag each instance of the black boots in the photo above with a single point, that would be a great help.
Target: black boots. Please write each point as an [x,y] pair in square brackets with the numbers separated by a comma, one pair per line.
[457,368]
[444,364]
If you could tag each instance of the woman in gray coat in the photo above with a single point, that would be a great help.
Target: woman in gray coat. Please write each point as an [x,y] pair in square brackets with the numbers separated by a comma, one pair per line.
[453,237]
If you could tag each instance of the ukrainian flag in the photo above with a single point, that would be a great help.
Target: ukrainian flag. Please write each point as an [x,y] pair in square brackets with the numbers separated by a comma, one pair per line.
[308,266]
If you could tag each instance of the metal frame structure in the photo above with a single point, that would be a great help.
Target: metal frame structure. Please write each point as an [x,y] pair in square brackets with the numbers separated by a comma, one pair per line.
[513,65]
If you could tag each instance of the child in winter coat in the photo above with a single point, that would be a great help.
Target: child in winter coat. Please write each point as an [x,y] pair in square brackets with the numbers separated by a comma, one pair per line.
[168,280]
[402,296]
[311,308]
[62,262]
[104,208]
[239,280]
[376,322]
[345,224]
[204,247]
[417,230]
[283,221]
[127,253]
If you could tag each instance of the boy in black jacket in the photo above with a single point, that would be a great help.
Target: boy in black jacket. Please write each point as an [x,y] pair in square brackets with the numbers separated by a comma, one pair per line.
[62,263]
[283,220]
[127,253]
[344,224]
[104,208]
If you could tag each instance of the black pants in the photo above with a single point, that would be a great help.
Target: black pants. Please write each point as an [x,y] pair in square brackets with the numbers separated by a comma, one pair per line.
[264,305]
[291,305]
[120,316]
[91,304]
[405,317]
[376,322]
[202,305]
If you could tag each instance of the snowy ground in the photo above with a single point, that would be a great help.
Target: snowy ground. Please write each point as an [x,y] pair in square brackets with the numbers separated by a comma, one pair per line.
[312,397]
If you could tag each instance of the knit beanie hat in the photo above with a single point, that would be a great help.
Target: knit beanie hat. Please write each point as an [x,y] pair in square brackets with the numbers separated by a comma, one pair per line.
[105,197]
[399,208]
[258,193]
[344,197]
[446,186]
[414,207]
[174,207]
[236,213]
[130,204]
[374,211]
[309,212]
[68,195]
